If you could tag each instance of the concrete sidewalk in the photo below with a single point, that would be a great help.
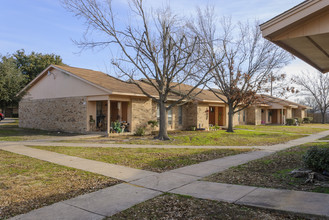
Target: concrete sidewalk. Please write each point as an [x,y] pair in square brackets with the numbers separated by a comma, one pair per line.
[93,206]
[283,200]
[7,121]
[143,185]
[111,170]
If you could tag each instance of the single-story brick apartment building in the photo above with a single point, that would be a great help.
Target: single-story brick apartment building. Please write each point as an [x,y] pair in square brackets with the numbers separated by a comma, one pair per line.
[80,100]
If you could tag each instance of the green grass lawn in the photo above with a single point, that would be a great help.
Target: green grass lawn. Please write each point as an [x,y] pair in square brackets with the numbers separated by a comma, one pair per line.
[170,206]
[223,138]
[27,183]
[153,159]
[11,132]
[325,138]
[198,138]
[272,171]
[303,129]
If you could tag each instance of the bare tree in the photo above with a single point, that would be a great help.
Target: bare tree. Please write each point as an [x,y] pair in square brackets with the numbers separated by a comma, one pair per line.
[156,48]
[311,102]
[317,86]
[246,60]
[278,85]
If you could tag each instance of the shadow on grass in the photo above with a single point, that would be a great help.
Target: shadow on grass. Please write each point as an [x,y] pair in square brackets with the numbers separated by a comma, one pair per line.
[9,132]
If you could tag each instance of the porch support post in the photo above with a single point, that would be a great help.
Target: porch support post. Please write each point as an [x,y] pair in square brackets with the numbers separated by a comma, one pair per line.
[282,116]
[108,116]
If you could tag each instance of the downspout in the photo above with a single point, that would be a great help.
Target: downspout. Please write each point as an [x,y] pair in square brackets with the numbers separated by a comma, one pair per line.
[108,129]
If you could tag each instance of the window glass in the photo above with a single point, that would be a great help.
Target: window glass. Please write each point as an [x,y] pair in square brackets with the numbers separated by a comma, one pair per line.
[180,115]
[170,117]
[158,112]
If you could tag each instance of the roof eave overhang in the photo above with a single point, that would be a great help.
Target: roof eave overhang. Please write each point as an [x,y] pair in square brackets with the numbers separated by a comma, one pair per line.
[298,15]
[300,55]
[291,16]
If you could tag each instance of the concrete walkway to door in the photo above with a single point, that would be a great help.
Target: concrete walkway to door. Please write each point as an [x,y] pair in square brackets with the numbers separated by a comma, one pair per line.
[143,185]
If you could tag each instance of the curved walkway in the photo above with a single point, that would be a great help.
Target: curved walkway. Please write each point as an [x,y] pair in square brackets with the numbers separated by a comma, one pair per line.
[143,185]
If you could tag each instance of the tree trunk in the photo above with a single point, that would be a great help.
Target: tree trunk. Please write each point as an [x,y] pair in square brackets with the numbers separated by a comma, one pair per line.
[323,114]
[230,118]
[163,134]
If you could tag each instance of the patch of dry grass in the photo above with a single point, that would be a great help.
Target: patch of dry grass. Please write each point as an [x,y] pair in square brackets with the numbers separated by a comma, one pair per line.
[171,206]
[272,171]
[27,183]
[153,159]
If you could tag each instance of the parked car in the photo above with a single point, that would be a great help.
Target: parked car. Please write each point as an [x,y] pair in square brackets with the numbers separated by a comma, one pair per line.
[1,116]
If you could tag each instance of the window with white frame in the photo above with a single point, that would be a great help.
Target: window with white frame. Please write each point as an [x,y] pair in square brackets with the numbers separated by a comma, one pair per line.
[169,113]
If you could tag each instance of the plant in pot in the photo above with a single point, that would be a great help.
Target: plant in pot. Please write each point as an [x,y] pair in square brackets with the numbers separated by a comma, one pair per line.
[117,127]
[91,122]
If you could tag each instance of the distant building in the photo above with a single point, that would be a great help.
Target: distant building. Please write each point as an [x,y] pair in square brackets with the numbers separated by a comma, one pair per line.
[80,100]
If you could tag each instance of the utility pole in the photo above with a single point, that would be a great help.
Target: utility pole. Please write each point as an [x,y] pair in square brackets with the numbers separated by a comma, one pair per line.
[271,83]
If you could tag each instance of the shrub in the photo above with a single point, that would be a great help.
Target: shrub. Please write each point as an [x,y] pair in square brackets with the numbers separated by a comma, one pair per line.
[217,127]
[300,120]
[140,131]
[317,159]
[214,128]
[290,121]
[307,120]
[153,123]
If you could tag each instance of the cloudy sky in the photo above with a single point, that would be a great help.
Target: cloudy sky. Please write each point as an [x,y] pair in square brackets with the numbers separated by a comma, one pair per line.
[45,26]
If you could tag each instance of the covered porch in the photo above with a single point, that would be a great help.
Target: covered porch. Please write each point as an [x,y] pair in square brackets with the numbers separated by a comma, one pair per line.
[217,115]
[273,116]
[108,114]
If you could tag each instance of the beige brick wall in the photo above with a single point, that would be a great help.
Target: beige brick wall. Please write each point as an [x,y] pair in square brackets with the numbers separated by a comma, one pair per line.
[251,115]
[240,119]
[142,111]
[258,116]
[202,116]
[298,113]
[190,115]
[288,113]
[60,114]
